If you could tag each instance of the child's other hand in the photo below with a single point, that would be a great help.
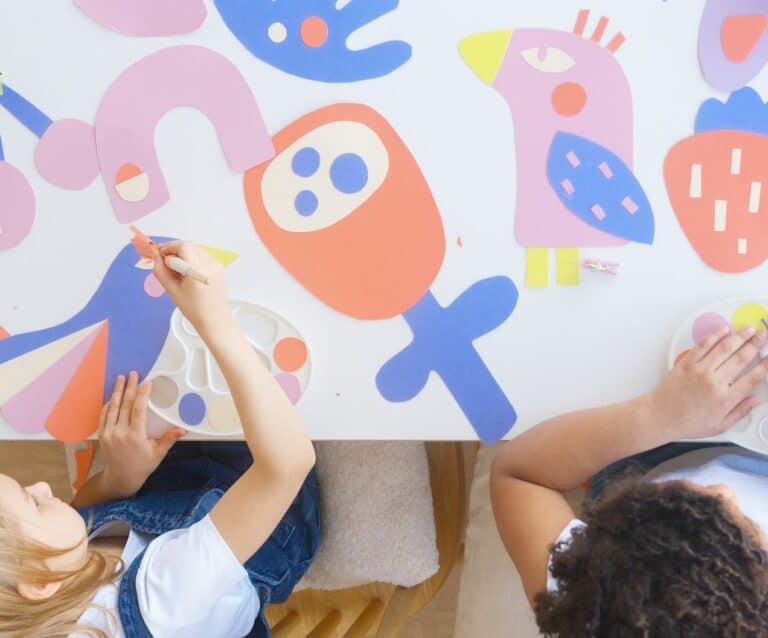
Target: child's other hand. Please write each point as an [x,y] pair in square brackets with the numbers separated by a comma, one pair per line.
[710,389]
[130,456]
[203,305]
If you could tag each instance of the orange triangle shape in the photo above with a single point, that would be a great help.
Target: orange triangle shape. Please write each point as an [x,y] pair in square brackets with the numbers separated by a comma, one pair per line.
[740,35]
[83,462]
[4,334]
[76,414]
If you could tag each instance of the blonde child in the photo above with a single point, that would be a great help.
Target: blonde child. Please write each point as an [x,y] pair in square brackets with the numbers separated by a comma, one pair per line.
[192,541]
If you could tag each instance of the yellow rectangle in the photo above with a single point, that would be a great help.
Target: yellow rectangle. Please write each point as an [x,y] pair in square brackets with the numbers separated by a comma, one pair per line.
[568,269]
[537,267]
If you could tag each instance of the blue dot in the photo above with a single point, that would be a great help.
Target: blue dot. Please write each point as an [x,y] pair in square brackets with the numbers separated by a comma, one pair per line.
[349,173]
[306,162]
[306,203]
[192,409]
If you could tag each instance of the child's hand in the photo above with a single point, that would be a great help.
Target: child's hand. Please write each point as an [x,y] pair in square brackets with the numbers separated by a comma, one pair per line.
[203,305]
[130,456]
[709,390]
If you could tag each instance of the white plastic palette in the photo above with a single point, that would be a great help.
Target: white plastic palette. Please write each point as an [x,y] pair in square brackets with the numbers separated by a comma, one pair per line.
[752,431]
[189,389]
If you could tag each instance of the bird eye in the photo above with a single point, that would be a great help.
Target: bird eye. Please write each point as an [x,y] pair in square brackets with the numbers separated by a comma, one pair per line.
[144,264]
[324,176]
[548,59]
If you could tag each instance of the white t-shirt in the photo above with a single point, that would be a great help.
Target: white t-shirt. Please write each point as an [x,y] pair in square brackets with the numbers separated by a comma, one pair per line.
[189,585]
[745,472]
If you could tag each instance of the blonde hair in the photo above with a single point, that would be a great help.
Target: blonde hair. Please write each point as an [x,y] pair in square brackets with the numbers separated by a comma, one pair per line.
[22,560]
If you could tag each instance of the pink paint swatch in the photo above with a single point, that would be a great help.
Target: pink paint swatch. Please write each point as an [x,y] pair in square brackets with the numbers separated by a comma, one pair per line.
[146,17]
[190,76]
[706,324]
[29,409]
[290,385]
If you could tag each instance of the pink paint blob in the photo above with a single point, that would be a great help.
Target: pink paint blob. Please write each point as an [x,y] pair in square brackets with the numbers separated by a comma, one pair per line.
[66,154]
[153,287]
[181,76]
[17,206]
[290,385]
[146,17]
[706,324]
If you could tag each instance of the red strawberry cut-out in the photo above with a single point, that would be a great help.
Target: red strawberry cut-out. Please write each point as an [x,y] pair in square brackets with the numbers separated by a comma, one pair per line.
[717,181]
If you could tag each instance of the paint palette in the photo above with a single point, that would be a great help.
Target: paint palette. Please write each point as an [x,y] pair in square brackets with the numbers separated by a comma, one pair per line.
[189,389]
[752,431]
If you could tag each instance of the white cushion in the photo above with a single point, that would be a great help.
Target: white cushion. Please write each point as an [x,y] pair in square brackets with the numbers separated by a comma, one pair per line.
[378,520]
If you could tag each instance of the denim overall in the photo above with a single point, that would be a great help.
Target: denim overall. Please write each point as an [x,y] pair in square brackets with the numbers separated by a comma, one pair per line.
[184,488]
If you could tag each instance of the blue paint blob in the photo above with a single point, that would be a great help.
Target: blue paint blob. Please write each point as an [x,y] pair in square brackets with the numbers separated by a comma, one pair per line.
[306,162]
[349,173]
[192,409]
[306,203]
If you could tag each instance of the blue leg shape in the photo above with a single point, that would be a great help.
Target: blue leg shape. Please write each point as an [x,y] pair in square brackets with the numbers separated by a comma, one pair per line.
[442,342]
[24,111]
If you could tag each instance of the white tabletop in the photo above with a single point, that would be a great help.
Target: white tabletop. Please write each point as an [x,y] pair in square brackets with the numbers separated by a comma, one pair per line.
[562,348]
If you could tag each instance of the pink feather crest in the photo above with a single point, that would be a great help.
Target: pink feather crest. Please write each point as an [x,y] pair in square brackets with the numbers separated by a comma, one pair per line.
[597,35]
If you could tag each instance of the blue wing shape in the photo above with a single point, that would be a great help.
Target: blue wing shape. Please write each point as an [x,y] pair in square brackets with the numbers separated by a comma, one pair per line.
[599,188]
[308,38]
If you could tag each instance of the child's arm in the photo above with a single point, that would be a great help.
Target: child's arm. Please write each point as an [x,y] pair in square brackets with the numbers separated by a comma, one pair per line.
[130,456]
[704,395]
[283,454]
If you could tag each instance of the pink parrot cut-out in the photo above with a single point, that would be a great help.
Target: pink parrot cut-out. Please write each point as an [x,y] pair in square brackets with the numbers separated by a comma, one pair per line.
[121,143]
[572,106]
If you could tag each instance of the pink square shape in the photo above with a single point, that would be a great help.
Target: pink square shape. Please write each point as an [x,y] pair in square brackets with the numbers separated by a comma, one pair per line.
[568,187]
[605,170]
[572,158]
[598,212]
[630,205]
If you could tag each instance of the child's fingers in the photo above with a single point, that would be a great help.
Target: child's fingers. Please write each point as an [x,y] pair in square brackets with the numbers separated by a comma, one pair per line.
[742,409]
[113,409]
[165,442]
[727,347]
[102,419]
[703,348]
[751,380]
[128,399]
[738,362]
[139,412]
[167,278]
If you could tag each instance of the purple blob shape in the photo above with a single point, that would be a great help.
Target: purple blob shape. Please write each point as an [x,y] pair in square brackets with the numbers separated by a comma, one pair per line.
[290,385]
[66,154]
[706,324]
[17,206]
[718,70]
[192,409]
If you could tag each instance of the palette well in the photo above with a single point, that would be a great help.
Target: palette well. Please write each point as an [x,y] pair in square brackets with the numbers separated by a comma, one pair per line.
[752,431]
[188,387]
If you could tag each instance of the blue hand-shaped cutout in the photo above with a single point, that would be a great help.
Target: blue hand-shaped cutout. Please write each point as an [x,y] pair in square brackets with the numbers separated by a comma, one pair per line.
[442,342]
[332,61]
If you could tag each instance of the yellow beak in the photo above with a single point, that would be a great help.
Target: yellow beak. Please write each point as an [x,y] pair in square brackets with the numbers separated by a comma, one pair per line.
[485,52]
[223,256]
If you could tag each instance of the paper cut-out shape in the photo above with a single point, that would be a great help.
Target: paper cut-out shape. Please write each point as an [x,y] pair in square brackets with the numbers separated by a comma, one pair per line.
[568,267]
[717,183]
[83,462]
[146,17]
[17,205]
[58,378]
[537,267]
[560,86]
[370,245]
[733,42]
[121,145]
[309,39]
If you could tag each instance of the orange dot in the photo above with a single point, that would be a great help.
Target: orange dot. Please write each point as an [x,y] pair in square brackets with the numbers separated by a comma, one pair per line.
[679,357]
[314,31]
[569,98]
[126,172]
[290,354]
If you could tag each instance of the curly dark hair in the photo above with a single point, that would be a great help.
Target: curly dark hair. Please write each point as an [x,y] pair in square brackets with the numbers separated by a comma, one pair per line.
[657,561]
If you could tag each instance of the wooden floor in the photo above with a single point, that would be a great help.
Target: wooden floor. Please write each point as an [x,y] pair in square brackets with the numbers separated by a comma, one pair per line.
[29,462]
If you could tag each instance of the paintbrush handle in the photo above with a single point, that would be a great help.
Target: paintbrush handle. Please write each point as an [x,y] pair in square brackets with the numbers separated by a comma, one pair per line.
[177,264]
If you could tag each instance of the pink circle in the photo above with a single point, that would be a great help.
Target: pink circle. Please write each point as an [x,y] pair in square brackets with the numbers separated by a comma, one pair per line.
[66,154]
[290,385]
[153,287]
[17,206]
[706,324]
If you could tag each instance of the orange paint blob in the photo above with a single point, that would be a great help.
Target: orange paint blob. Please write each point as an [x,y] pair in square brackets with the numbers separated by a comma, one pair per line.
[740,35]
[83,462]
[314,32]
[569,99]
[290,354]
[126,172]
[4,334]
